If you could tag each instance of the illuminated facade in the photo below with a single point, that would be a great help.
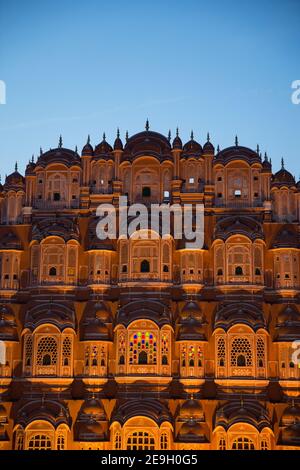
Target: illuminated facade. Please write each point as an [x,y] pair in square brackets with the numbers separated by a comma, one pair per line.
[145,344]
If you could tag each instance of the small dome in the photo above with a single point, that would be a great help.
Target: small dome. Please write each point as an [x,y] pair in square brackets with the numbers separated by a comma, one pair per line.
[191,308]
[288,315]
[283,177]
[192,428]
[118,144]
[177,143]
[191,409]
[14,179]
[94,407]
[87,149]
[291,415]
[30,168]
[102,312]
[192,147]
[208,147]
[103,148]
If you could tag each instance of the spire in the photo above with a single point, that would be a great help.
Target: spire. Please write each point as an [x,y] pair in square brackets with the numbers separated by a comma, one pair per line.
[60,142]
[257,149]
[118,133]
[16,166]
[32,158]
[127,136]
[177,132]
[266,157]
[41,151]
[218,148]
[104,137]
[208,137]
[192,135]
[169,135]
[88,139]
[76,149]
[236,141]
[282,164]
[147,126]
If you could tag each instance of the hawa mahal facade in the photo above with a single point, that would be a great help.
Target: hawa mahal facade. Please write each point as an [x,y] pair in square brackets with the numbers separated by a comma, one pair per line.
[145,344]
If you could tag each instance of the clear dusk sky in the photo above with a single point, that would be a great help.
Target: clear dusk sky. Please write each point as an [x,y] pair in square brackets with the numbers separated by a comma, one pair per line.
[86,67]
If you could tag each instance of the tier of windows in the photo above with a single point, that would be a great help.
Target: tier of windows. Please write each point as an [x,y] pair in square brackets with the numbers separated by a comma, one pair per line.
[191,359]
[10,270]
[249,440]
[286,269]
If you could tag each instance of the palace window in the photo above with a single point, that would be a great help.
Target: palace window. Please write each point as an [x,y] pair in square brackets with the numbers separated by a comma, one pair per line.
[242,443]
[61,442]
[146,191]
[143,348]
[241,352]
[140,440]
[66,351]
[260,352]
[264,445]
[118,441]
[47,351]
[39,442]
[122,349]
[221,351]
[164,349]
[145,266]
[222,444]
[164,441]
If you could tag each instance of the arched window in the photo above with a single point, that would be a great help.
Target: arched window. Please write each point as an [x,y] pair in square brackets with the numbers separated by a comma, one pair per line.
[140,440]
[118,441]
[164,441]
[221,351]
[238,271]
[146,191]
[264,445]
[222,444]
[39,442]
[47,351]
[122,360]
[61,444]
[241,360]
[242,443]
[52,271]
[241,352]
[145,266]
[143,357]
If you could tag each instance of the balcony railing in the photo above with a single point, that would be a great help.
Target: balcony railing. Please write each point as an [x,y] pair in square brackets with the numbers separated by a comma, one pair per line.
[55,205]
[238,204]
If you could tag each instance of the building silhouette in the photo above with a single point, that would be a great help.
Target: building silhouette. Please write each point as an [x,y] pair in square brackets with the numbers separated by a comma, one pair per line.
[144,343]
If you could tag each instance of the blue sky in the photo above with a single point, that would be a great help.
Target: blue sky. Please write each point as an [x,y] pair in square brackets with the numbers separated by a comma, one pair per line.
[79,68]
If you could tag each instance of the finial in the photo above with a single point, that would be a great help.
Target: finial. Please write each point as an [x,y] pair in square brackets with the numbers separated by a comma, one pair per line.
[118,133]
[218,148]
[169,135]
[16,166]
[177,132]
[257,149]
[266,157]
[208,137]
[192,135]
[76,149]
[104,136]
[32,158]
[127,136]
[147,127]
[282,164]
[236,141]
[88,139]
[41,151]
[60,142]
